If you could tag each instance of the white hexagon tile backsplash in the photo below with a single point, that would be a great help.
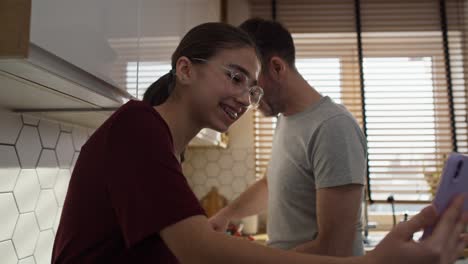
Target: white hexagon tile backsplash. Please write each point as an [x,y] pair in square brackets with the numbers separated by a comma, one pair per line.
[230,170]
[26,235]
[9,215]
[47,168]
[9,168]
[27,190]
[65,150]
[7,251]
[43,251]
[9,127]
[36,159]
[49,133]
[46,209]
[28,147]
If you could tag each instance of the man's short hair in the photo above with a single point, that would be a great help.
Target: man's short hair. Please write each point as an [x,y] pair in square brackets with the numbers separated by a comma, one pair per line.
[271,38]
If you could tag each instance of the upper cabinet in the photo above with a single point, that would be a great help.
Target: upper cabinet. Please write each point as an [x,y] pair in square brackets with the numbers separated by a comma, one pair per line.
[77,61]
[66,57]
[55,59]
[83,33]
[116,39]
[126,43]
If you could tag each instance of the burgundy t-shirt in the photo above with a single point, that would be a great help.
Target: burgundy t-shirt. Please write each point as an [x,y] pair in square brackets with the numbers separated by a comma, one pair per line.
[126,187]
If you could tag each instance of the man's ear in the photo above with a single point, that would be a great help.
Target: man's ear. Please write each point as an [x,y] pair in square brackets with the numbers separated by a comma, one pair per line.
[277,68]
[184,70]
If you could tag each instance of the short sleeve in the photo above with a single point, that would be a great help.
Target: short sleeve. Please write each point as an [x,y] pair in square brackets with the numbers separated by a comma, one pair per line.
[338,153]
[147,189]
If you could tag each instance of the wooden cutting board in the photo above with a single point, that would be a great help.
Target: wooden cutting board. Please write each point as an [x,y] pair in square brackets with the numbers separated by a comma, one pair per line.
[212,202]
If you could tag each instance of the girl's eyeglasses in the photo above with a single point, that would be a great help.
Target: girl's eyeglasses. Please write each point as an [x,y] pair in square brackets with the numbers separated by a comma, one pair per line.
[240,80]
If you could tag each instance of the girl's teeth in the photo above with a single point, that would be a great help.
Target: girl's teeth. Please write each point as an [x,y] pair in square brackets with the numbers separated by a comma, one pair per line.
[231,113]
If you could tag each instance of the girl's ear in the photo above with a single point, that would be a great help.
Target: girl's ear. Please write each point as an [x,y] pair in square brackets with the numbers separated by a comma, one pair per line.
[184,70]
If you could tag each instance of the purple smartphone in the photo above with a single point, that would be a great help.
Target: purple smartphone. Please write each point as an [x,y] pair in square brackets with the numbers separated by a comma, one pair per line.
[454,181]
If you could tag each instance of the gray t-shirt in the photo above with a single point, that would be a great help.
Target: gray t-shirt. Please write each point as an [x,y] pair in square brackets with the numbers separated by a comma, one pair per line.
[320,147]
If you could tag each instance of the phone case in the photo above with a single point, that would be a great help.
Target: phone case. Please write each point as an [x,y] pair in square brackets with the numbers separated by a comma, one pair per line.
[454,181]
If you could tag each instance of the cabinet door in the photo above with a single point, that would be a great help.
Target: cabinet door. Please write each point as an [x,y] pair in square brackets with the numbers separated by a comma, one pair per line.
[162,25]
[98,36]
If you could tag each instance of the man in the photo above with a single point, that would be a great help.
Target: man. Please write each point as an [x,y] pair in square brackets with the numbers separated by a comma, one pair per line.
[313,187]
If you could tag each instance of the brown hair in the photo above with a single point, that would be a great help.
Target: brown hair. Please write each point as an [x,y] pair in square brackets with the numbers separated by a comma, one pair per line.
[271,39]
[203,41]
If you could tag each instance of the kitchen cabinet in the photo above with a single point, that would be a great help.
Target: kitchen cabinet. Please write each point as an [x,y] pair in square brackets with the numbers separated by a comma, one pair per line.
[77,61]
[53,59]
[83,32]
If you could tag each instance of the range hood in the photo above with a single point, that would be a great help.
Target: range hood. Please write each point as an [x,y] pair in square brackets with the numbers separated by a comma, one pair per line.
[48,85]
[35,80]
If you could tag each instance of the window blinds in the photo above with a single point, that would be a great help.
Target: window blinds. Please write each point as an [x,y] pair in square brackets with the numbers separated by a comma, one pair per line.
[410,99]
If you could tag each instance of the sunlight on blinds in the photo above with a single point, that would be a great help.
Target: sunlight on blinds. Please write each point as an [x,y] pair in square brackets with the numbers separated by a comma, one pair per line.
[401,125]
[413,77]
[323,73]
[142,62]
[148,72]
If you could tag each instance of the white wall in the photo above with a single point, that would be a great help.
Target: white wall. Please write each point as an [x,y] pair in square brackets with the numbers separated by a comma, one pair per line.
[231,170]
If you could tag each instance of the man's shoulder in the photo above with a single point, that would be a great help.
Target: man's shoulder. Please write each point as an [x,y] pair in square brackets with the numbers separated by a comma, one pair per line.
[329,113]
[329,109]
[332,114]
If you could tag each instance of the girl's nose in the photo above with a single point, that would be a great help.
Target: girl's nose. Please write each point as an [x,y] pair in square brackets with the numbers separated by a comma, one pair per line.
[243,99]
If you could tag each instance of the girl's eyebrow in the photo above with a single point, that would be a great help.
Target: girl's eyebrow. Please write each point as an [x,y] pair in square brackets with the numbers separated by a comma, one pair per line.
[240,68]
[243,70]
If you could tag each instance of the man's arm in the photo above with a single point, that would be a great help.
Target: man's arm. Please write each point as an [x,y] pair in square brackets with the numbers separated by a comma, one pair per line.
[337,216]
[338,161]
[252,201]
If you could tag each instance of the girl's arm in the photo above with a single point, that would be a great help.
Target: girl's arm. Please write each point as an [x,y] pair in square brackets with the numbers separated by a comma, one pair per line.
[192,240]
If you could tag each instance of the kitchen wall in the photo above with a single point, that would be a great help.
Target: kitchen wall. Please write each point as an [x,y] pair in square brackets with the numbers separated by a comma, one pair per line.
[36,159]
[231,170]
